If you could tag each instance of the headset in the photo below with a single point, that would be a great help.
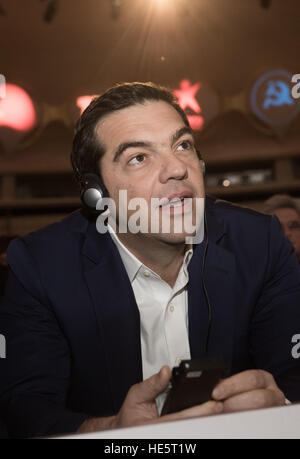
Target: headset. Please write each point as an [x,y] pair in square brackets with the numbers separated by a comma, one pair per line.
[93,190]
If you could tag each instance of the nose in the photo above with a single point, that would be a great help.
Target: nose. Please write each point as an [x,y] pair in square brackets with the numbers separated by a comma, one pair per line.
[172,167]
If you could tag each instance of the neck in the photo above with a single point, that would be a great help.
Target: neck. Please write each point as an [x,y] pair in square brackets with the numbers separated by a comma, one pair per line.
[163,258]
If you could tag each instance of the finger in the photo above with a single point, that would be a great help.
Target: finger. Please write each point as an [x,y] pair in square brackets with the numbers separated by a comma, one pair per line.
[206,409]
[253,400]
[150,388]
[242,382]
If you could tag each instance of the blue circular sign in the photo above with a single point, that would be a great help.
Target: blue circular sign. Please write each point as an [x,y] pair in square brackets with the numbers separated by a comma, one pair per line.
[271,98]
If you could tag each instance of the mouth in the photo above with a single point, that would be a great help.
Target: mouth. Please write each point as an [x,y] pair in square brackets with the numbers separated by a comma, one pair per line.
[180,195]
[177,203]
[176,199]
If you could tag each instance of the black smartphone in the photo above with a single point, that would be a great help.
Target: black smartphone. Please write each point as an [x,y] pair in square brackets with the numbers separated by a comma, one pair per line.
[192,383]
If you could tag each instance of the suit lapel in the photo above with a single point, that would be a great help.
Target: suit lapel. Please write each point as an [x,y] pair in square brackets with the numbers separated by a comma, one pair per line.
[219,278]
[116,311]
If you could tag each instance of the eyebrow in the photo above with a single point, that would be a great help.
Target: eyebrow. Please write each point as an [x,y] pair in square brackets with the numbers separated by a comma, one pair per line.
[180,133]
[124,146]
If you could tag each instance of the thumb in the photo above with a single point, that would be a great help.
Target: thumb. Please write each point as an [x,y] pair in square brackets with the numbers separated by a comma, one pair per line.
[148,390]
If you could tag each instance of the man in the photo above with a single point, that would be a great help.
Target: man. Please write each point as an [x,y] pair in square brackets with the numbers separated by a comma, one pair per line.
[94,321]
[287,210]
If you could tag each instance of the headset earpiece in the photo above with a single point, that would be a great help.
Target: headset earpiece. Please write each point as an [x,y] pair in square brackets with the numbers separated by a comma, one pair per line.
[92,191]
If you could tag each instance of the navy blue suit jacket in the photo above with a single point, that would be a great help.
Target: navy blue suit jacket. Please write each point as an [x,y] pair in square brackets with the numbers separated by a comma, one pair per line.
[72,324]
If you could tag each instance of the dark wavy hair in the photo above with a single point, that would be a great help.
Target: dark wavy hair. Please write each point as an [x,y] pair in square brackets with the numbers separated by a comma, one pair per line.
[87,149]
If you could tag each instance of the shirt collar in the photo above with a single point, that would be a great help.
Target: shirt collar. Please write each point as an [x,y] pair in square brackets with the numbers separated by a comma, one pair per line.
[133,264]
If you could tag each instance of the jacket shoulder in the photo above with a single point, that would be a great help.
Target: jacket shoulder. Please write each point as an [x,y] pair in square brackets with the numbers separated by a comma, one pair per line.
[229,210]
[52,236]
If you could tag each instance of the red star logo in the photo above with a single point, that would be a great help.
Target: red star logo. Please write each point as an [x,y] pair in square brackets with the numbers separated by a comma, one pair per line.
[186,95]
[196,122]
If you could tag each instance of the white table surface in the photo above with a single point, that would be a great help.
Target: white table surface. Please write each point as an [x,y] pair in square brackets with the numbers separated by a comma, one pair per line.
[283,422]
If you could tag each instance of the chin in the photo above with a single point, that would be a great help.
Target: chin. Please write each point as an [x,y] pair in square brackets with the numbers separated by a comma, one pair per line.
[172,238]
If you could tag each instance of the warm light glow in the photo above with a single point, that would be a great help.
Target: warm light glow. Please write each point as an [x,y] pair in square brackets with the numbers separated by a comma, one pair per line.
[17,110]
[163,3]
[83,102]
[226,183]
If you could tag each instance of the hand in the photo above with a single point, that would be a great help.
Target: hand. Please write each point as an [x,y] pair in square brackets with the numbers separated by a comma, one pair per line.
[249,390]
[139,406]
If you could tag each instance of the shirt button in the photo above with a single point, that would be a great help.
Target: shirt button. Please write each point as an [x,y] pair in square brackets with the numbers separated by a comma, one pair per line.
[146,273]
[171,308]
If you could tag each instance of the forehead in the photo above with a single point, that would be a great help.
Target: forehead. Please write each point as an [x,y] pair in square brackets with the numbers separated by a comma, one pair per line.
[153,121]
[286,214]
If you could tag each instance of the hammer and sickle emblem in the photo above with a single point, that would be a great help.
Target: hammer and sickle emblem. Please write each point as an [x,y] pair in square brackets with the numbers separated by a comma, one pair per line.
[277,94]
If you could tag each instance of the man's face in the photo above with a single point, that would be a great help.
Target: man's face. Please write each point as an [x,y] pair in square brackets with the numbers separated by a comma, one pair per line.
[150,152]
[290,222]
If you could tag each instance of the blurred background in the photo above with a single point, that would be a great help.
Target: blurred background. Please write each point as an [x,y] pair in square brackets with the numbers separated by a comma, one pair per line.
[232,64]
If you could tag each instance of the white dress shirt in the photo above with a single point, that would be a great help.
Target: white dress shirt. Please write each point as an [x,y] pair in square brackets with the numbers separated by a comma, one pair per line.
[163,313]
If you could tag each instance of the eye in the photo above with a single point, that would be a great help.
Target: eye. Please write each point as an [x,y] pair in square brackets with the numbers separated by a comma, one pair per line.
[138,159]
[293,224]
[185,145]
